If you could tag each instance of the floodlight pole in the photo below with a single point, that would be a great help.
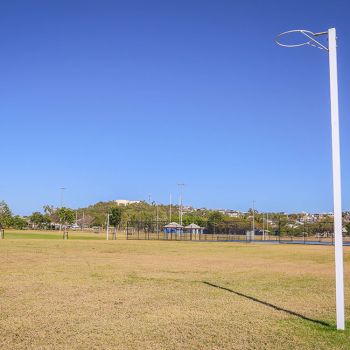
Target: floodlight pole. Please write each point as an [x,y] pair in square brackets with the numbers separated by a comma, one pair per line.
[338,228]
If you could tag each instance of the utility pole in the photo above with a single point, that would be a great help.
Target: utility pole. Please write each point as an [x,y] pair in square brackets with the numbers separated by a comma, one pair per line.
[181,186]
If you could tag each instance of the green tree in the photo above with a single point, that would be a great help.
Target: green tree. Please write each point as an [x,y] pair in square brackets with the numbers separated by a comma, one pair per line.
[66,215]
[347,226]
[115,217]
[215,218]
[251,211]
[19,222]
[37,219]
[5,214]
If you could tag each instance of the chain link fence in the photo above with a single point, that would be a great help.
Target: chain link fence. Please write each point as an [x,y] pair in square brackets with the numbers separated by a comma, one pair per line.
[281,231]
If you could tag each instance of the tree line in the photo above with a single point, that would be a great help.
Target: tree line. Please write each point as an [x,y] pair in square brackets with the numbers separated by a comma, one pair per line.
[96,215]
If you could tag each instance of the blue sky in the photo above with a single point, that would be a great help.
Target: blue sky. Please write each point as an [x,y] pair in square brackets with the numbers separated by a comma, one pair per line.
[119,99]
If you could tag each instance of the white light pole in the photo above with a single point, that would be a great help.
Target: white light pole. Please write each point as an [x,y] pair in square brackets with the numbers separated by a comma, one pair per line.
[170,208]
[107,227]
[181,195]
[337,203]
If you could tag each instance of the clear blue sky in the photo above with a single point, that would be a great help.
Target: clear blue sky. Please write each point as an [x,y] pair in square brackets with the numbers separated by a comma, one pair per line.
[119,99]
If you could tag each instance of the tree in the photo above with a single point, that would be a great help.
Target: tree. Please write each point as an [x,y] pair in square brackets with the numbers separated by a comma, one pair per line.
[5,215]
[19,222]
[214,219]
[347,226]
[115,217]
[40,220]
[48,209]
[251,211]
[47,219]
[37,219]
[86,220]
[50,214]
[66,215]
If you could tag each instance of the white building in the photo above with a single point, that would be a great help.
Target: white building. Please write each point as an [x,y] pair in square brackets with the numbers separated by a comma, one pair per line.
[125,202]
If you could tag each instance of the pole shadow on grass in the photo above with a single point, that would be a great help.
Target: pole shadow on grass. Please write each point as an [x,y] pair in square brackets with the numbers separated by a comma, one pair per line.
[275,307]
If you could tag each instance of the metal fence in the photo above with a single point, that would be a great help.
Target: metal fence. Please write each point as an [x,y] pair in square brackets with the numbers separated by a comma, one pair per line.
[282,231]
[308,233]
[232,231]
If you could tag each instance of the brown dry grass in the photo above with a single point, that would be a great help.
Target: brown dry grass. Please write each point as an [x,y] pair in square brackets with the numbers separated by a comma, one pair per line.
[152,295]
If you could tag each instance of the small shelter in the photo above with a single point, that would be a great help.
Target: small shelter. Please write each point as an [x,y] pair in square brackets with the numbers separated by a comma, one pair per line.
[193,229]
[173,227]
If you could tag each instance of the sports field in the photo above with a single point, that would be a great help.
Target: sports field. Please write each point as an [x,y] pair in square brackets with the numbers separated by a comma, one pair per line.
[94,294]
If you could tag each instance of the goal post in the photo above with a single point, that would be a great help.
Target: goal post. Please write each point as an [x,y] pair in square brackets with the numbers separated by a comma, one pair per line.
[311,39]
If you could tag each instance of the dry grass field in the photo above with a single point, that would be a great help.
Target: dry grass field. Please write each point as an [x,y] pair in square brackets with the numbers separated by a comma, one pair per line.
[93,294]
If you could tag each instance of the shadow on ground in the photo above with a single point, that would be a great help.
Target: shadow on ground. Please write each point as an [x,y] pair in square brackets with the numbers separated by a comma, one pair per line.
[275,307]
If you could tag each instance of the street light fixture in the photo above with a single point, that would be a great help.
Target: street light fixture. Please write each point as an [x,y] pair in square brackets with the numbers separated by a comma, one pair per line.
[333,75]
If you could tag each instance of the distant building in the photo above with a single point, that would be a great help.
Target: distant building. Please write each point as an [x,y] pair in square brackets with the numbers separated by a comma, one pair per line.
[187,209]
[233,213]
[125,202]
